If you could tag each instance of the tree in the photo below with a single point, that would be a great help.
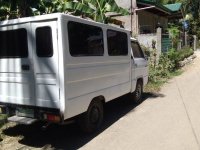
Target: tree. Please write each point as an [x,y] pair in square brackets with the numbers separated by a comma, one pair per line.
[94,9]
[174,35]
[10,9]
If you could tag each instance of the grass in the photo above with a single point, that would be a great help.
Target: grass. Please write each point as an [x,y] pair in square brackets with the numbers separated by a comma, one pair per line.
[153,86]
[156,86]
[2,122]
[176,73]
[2,119]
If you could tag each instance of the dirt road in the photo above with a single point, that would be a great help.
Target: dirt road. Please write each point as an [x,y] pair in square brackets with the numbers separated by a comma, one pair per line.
[169,120]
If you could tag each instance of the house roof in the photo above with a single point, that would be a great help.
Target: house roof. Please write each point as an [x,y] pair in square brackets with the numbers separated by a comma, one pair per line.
[158,7]
[174,7]
[170,10]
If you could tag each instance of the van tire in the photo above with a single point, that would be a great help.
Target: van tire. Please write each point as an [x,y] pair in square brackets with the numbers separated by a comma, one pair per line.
[136,96]
[92,119]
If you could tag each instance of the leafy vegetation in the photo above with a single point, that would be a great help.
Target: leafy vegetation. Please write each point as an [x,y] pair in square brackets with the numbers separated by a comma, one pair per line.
[174,35]
[167,67]
[191,13]
[94,9]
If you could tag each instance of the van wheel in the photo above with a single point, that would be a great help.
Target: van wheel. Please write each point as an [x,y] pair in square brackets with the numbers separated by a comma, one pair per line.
[136,96]
[92,119]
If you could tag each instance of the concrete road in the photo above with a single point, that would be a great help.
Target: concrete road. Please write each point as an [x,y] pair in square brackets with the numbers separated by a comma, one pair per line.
[166,121]
[170,121]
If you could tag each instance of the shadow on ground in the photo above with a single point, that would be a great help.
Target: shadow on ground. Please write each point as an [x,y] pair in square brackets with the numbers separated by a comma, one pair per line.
[69,136]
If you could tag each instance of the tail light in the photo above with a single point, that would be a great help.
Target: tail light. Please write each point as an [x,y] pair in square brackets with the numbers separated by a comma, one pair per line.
[52,118]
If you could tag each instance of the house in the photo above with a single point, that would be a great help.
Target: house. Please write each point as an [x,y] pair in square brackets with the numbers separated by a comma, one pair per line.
[149,20]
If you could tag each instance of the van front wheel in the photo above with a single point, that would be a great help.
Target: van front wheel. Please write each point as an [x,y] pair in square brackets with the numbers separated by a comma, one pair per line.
[136,96]
[91,120]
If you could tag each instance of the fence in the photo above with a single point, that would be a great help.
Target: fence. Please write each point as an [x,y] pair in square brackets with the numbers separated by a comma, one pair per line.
[166,43]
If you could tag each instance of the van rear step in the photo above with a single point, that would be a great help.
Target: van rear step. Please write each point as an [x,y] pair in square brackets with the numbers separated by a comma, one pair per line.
[22,120]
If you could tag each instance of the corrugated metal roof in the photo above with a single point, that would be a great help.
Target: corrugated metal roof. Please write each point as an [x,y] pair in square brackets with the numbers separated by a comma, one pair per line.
[174,7]
[155,3]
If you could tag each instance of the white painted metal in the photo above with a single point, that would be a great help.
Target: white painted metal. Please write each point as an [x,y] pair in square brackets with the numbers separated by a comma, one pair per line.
[46,69]
[16,84]
[139,69]
[62,81]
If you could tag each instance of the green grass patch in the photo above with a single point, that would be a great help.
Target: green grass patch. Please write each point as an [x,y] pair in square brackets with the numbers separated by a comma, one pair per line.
[2,118]
[176,73]
[153,86]
[156,86]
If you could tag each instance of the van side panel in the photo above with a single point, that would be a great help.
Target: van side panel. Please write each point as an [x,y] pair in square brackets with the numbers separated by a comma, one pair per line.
[92,76]
[88,80]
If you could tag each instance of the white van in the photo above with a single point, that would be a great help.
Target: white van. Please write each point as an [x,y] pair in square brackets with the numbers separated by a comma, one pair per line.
[55,67]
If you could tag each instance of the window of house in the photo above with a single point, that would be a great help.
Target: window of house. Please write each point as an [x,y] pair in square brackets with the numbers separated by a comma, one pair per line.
[44,45]
[13,44]
[85,40]
[117,43]
[137,51]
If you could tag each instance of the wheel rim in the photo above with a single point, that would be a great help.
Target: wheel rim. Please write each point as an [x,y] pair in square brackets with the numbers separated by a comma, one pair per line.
[94,115]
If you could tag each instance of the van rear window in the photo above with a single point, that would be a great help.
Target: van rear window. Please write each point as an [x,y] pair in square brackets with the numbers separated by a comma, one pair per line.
[13,43]
[44,45]
[85,40]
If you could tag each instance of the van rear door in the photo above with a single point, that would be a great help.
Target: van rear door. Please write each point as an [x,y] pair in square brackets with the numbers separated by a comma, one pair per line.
[16,71]
[45,58]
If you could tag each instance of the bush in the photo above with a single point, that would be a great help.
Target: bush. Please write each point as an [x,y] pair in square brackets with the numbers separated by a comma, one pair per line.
[177,56]
[168,63]
[161,70]
[146,50]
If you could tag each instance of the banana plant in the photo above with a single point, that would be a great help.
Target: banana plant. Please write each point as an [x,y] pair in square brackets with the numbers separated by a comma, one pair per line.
[95,9]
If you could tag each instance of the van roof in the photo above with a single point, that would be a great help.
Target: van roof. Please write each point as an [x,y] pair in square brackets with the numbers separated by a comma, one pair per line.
[50,17]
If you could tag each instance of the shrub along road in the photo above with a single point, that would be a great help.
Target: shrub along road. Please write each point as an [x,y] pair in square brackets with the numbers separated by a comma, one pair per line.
[166,121]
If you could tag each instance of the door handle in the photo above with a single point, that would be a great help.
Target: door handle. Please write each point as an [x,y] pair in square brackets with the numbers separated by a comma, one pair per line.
[25,67]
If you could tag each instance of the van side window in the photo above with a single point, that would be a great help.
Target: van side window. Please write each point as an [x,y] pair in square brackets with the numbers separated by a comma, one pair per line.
[85,40]
[13,44]
[44,45]
[117,43]
[137,51]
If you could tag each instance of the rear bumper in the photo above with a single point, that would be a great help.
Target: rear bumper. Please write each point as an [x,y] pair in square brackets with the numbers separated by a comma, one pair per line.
[39,113]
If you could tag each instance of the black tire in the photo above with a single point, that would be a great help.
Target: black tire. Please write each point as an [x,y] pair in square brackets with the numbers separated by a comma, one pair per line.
[92,119]
[136,96]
